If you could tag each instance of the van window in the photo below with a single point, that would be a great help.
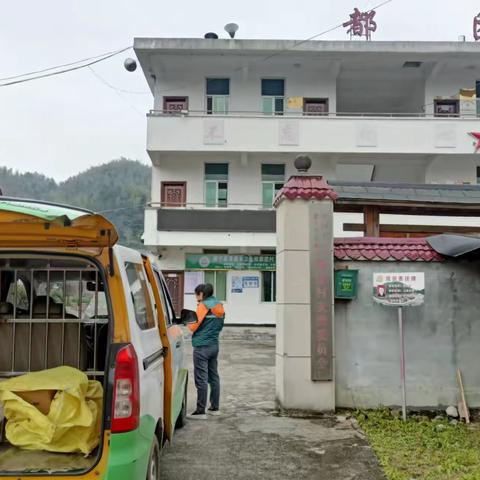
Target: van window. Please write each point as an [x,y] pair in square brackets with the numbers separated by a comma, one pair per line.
[142,302]
[80,292]
[166,302]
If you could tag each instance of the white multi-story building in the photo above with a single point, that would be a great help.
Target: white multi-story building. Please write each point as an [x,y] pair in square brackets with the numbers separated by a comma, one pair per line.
[230,116]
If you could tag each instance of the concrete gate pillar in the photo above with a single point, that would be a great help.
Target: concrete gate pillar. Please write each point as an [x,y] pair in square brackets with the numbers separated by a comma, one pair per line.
[305,371]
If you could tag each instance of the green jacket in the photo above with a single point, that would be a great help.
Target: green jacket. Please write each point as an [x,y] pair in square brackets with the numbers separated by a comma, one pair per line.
[211,316]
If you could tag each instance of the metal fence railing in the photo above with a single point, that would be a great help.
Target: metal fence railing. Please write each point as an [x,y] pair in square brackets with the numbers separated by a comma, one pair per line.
[310,115]
[51,315]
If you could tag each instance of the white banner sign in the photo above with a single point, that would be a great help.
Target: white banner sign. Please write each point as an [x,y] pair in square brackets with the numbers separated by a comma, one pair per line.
[399,289]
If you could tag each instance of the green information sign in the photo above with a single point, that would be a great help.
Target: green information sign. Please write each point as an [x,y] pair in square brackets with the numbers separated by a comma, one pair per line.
[229,262]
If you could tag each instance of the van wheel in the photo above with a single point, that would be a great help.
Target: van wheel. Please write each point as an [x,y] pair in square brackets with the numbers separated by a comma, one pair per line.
[182,417]
[153,472]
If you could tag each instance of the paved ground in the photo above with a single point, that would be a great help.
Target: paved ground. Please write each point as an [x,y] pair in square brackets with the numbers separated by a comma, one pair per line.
[250,440]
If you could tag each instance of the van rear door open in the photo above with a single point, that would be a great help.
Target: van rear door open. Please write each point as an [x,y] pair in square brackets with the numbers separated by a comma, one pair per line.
[26,223]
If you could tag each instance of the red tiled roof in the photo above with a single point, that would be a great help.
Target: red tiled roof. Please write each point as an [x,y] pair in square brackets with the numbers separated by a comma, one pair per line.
[306,187]
[385,249]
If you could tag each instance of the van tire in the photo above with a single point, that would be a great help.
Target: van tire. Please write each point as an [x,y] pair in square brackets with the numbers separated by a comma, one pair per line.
[182,417]
[153,469]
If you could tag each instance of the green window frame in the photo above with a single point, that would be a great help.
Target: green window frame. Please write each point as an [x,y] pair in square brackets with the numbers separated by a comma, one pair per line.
[273,179]
[216,185]
[217,96]
[269,287]
[273,96]
[218,278]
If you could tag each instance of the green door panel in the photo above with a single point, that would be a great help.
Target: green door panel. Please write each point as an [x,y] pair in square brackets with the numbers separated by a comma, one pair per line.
[129,452]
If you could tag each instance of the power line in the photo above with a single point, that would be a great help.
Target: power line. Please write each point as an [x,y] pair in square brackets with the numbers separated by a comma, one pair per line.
[113,87]
[59,72]
[58,66]
[313,37]
[117,92]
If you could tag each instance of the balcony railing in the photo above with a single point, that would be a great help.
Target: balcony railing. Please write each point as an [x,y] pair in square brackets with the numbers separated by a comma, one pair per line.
[259,114]
[198,218]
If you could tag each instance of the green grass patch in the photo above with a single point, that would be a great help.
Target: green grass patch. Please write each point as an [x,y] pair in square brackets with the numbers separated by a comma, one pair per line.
[422,449]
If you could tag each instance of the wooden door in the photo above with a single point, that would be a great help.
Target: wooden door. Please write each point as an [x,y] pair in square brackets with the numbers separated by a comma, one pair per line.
[174,281]
[174,194]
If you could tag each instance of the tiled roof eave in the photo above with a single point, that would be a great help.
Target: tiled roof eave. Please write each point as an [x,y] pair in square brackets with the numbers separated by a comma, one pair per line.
[306,188]
[385,250]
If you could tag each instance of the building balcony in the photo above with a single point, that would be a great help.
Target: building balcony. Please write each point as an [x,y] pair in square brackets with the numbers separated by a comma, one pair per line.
[334,133]
[236,226]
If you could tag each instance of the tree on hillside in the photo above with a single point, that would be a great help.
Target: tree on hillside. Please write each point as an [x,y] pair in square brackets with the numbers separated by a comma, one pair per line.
[26,185]
[120,188]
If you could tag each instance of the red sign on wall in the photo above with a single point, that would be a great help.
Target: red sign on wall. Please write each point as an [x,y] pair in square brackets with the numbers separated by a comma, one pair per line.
[476,27]
[321,291]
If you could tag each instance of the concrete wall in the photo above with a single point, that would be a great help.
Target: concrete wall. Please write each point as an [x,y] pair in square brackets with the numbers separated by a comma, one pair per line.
[303,134]
[180,76]
[452,169]
[439,337]
[245,177]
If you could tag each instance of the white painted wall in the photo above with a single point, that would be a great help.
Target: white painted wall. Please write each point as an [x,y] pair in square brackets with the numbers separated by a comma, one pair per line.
[245,178]
[245,307]
[389,219]
[452,169]
[315,134]
[186,76]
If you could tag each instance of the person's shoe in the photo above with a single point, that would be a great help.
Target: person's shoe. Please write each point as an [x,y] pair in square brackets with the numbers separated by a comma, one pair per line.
[197,415]
[214,411]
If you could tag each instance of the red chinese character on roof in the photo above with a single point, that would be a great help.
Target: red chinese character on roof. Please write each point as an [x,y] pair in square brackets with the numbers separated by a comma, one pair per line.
[476,27]
[361,24]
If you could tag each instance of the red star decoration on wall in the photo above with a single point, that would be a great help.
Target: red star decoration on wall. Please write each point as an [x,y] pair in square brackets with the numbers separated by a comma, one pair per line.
[476,136]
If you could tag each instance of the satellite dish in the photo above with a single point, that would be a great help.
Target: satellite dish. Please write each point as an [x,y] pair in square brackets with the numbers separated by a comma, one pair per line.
[130,64]
[231,29]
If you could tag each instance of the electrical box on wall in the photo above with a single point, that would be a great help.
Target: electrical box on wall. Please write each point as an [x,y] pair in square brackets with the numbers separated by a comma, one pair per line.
[346,284]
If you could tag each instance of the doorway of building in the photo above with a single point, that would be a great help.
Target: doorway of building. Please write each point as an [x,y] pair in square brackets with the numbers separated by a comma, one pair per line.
[174,194]
[174,281]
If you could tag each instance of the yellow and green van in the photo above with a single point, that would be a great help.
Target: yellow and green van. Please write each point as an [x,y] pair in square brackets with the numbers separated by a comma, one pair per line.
[69,295]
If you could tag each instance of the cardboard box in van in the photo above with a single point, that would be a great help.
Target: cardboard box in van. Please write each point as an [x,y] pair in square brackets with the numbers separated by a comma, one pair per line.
[42,399]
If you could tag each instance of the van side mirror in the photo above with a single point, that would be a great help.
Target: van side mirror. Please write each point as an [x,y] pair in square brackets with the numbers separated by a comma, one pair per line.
[187,316]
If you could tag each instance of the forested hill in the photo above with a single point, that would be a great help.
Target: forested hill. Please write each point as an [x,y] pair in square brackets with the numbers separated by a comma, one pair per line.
[119,188]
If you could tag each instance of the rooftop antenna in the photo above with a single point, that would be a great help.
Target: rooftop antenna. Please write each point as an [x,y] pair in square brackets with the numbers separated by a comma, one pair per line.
[231,29]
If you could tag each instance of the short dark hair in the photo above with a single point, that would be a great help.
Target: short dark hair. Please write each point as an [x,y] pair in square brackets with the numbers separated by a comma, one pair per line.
[205,288]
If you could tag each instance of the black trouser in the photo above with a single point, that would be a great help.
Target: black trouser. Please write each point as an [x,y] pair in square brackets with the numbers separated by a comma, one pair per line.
[205,370]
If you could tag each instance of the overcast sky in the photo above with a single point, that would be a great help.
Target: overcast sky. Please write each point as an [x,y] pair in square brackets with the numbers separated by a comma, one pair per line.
[62,125]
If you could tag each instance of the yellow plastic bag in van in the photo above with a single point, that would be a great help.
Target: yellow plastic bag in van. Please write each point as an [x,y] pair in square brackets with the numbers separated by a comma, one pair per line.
[73,422]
